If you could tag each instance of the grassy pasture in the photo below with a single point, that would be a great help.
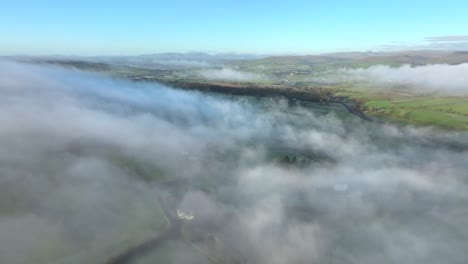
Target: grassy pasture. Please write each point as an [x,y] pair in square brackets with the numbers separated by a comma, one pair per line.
[447,112]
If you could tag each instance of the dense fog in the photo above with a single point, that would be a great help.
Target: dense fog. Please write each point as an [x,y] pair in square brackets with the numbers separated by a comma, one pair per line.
[84,158]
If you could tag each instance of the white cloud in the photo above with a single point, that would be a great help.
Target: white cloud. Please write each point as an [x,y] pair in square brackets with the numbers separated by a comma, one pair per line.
[63,133]
[430,78]
[229,74]
[447,38]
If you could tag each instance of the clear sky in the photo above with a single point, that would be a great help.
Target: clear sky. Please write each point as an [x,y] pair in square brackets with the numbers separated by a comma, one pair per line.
[98,27]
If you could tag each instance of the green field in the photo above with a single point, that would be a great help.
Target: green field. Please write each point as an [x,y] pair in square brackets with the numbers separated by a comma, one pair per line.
[446,112]
[394,105]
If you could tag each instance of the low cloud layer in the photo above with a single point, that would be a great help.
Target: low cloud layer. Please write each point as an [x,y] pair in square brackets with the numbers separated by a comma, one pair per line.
[183,63]
[448,38]
[451,79]
[229,75]
[84,160]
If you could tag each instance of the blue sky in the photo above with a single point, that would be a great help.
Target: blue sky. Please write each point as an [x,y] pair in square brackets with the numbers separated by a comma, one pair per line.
[138,27]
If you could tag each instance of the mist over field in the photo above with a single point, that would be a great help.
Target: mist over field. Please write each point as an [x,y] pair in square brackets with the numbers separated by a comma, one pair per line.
[229,74]
[440,78]
[84,158]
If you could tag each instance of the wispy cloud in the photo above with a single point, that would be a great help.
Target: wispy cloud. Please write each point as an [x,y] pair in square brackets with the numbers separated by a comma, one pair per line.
[445,43]
[78,154]
[229,74]
[447,38]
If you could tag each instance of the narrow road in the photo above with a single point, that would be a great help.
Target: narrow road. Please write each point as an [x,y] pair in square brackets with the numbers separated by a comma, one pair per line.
[174,230]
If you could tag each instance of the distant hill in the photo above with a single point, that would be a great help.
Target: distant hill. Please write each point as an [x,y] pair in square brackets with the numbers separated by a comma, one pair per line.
[176,60]
[367,58]
[170,60]
[201,56]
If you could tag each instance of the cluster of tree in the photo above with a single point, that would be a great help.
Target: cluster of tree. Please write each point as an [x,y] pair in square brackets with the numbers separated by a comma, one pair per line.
[294,161]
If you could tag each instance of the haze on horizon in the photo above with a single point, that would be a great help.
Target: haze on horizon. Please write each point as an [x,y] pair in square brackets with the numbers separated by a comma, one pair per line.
[92,28]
